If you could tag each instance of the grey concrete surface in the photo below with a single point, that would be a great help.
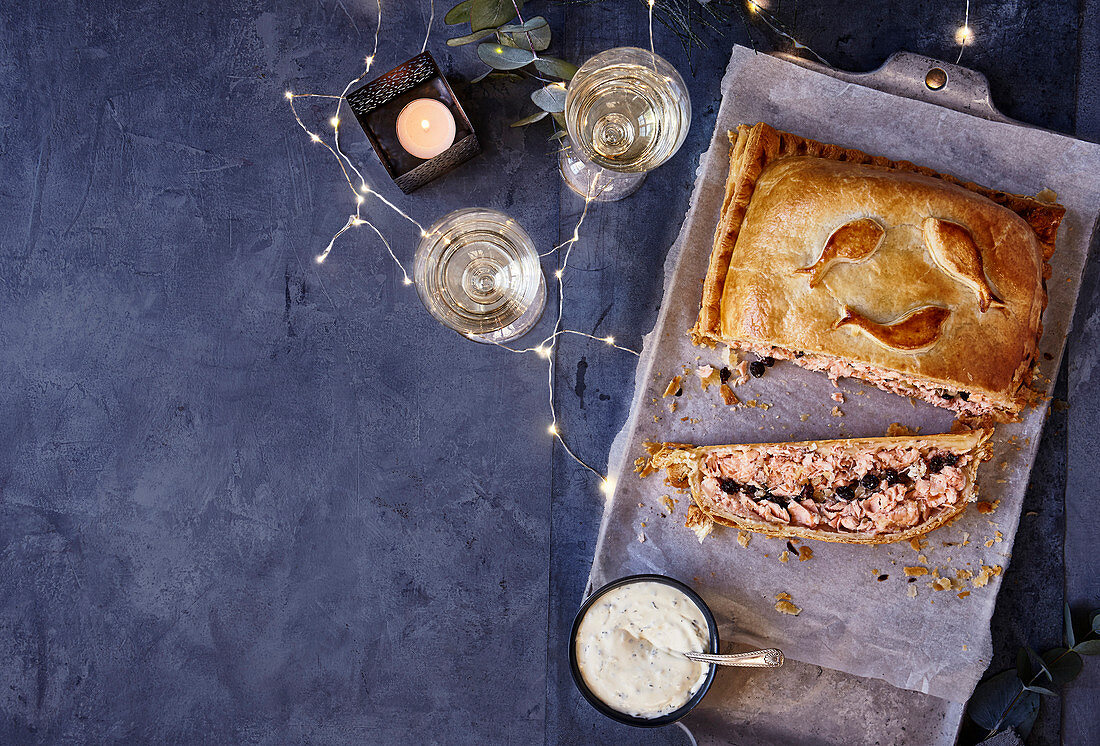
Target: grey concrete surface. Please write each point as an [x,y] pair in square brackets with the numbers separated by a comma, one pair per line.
[246,498]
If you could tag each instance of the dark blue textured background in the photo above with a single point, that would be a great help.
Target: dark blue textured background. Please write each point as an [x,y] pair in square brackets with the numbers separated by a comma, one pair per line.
[248,498]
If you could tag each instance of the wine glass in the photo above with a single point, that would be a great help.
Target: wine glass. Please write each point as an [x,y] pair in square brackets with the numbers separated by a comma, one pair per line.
[627,111]
[476,271]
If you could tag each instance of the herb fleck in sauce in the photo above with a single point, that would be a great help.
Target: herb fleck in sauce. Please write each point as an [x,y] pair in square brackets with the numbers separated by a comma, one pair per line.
[630,644]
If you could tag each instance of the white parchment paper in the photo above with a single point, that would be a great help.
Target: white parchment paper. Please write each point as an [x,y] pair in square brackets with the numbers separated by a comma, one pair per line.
[851,622]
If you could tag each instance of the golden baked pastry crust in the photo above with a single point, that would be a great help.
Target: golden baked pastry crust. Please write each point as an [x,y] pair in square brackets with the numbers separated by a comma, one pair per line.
[786,197]
[683,464]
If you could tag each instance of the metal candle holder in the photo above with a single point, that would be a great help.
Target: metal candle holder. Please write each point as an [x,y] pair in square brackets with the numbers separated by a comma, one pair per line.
[377,104]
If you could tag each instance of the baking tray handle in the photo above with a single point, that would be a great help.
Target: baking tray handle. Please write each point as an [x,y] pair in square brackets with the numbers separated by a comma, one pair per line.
[922,78]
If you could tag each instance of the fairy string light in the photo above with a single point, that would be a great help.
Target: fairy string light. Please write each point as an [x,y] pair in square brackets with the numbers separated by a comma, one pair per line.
[362,191]
[964,34]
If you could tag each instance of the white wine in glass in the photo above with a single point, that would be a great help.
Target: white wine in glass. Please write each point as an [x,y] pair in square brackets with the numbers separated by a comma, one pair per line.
[477,272]
[627,111]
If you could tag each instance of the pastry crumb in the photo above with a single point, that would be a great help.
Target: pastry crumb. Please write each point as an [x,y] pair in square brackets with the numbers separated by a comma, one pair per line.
[837,412]
[708,376]
[915,572]
[743,538]
[803,417]
[673,386]
[641,537]
[785,557]
[805,553]
[986,508]
[897,429]
[782,596]
[728,396]
[742,373]
[786,607]
[672,405]
[918,543]
[699,522]
[963,594]
[669,504]
[838,397]
[987,574]
[912,592]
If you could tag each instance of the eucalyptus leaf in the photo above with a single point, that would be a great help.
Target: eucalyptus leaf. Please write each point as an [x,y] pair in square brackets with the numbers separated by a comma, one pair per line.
[559,135]
[531,25]
[484,75]
[1070,641]
[1041,690]
[529,120]
[1094,620]
[1023,665]
[1064,665]
[550,98]
[458,41]
[1025,725]
[992,698]
[559,118]
[1041,662]
[555,67]
[526,36]
[492,13]
[1088,647]
[459,13]
[500,57]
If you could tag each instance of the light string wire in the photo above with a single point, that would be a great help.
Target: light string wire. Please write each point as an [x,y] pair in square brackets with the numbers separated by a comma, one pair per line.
[547,346]
[964,35]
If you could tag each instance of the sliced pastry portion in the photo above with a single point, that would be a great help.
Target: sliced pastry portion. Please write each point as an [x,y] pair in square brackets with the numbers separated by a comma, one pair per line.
[858,266]
[856,491]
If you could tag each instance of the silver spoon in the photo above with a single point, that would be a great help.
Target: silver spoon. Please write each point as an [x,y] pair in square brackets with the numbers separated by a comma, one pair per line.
[769,658]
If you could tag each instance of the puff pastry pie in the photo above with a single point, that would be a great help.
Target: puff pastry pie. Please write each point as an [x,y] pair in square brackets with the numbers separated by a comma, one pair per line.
[857,491]
[862,267]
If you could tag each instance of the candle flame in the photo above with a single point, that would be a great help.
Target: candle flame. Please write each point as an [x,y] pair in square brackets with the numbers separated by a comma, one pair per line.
[425,124]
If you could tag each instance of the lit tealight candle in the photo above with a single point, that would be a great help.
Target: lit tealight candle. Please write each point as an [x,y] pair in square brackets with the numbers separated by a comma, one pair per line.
[425,128]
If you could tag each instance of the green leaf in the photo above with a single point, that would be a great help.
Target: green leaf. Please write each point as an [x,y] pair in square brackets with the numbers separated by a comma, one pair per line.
[1088,647]
[533,35]
[550,98]
[1070,641]
[459,13]
[1094,620]
[1023,728]
[559,118]
[529,120]
[1033,657]
[1064,665]
[458,41]
[531,25]
[1023,665]
[556,68]
[559,135]
[1041,690]
[991,700]
[500,57]
[492,13]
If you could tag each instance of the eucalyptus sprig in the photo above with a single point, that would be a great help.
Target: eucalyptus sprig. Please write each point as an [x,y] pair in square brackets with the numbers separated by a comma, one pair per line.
[1010,699]
[514,52]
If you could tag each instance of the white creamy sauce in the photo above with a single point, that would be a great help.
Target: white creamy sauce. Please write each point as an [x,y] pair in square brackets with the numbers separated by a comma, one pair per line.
[630,644]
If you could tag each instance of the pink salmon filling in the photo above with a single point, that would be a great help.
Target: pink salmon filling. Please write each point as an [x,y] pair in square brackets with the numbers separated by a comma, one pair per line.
[823,489]
[976,403]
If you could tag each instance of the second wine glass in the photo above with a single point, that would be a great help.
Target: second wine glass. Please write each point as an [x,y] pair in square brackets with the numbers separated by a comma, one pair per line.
[627,111]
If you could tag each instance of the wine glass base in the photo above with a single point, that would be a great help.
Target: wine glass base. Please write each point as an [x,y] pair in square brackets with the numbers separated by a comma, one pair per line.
[593,182]
[517,328]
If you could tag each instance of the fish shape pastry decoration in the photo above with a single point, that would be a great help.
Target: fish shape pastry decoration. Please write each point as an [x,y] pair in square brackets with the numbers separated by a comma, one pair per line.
[916,330]
[854,241]
[955,252]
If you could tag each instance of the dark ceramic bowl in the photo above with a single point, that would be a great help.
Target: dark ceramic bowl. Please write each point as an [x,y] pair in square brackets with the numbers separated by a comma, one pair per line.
[602,706]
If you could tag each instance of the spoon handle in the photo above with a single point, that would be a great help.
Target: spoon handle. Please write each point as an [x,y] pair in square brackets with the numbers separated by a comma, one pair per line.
[770,658]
